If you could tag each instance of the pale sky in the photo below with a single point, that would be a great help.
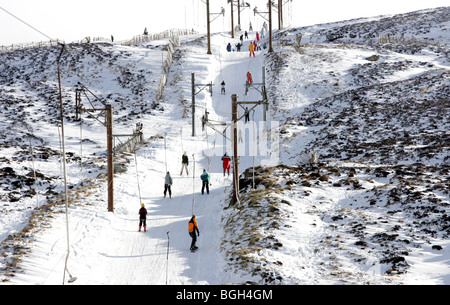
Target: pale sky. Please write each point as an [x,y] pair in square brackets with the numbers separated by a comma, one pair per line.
[74,20]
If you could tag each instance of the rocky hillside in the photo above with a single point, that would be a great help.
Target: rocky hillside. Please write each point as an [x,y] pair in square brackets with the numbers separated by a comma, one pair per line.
[376,206]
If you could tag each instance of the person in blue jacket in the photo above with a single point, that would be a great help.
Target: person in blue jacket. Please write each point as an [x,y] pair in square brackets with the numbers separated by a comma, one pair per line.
[205,181]
[229,47]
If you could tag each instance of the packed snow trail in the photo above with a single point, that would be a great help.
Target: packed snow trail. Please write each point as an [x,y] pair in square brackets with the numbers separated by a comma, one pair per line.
[106,248]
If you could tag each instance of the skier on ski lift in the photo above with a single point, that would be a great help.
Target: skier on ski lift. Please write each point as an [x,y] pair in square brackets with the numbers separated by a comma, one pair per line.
[143,218]
[226,164]
[193,227]
[249,78]
[222,90]
[205,181]
[184,164]
[251,48]
[247,115]
[168,185]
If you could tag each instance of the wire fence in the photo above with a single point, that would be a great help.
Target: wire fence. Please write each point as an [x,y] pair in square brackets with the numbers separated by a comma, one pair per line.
[133,41]
[22,46]
[173,42]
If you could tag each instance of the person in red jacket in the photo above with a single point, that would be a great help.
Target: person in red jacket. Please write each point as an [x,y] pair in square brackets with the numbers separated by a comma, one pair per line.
[226,164]
[249,78]
[143,218]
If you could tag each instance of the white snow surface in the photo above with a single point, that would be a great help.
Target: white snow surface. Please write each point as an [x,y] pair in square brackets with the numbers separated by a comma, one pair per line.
[106,248]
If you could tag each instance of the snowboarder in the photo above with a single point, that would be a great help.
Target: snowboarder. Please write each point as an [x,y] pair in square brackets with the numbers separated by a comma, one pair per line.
[143,218]
[193,227]
[168,185]
[226,164]
[222,90]
[229,47]
[205,181]
[249,78]
[184,164]
[251,48]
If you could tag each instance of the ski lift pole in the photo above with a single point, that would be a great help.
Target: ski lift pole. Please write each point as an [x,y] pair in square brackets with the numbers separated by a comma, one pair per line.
[165,150]
[193,185]
[168,247]
[72,279]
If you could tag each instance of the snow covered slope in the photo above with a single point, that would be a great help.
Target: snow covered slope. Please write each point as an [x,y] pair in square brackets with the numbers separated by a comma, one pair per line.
[373,210]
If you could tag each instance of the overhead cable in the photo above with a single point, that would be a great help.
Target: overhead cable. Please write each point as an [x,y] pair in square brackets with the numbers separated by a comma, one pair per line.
[26,23]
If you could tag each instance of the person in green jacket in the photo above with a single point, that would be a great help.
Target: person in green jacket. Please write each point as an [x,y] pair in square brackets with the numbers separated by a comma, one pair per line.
[205,181]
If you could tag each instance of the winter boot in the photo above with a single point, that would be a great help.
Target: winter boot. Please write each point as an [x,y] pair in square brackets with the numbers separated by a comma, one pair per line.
[139,228]
[145,229]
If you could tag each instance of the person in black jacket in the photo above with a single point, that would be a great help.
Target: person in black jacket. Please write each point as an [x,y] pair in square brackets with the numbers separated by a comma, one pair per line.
[143,218]
[184,163]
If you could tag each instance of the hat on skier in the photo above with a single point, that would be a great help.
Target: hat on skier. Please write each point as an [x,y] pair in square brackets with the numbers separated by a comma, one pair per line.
[142,205]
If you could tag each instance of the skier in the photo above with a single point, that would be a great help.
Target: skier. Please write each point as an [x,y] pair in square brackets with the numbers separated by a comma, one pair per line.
[222,90]
[203,122]
[257,36]
[193,226]
[143,218]
[249,78]
[251,48]
[229,47]
[226,164]
[205,181]
[184,164]
[246,35]
[168,185]
[247,115]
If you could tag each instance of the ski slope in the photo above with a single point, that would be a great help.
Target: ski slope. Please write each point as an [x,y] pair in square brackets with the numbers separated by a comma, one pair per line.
[106,248]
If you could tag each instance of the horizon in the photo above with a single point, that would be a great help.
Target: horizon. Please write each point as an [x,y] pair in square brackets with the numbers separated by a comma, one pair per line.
[75,22]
